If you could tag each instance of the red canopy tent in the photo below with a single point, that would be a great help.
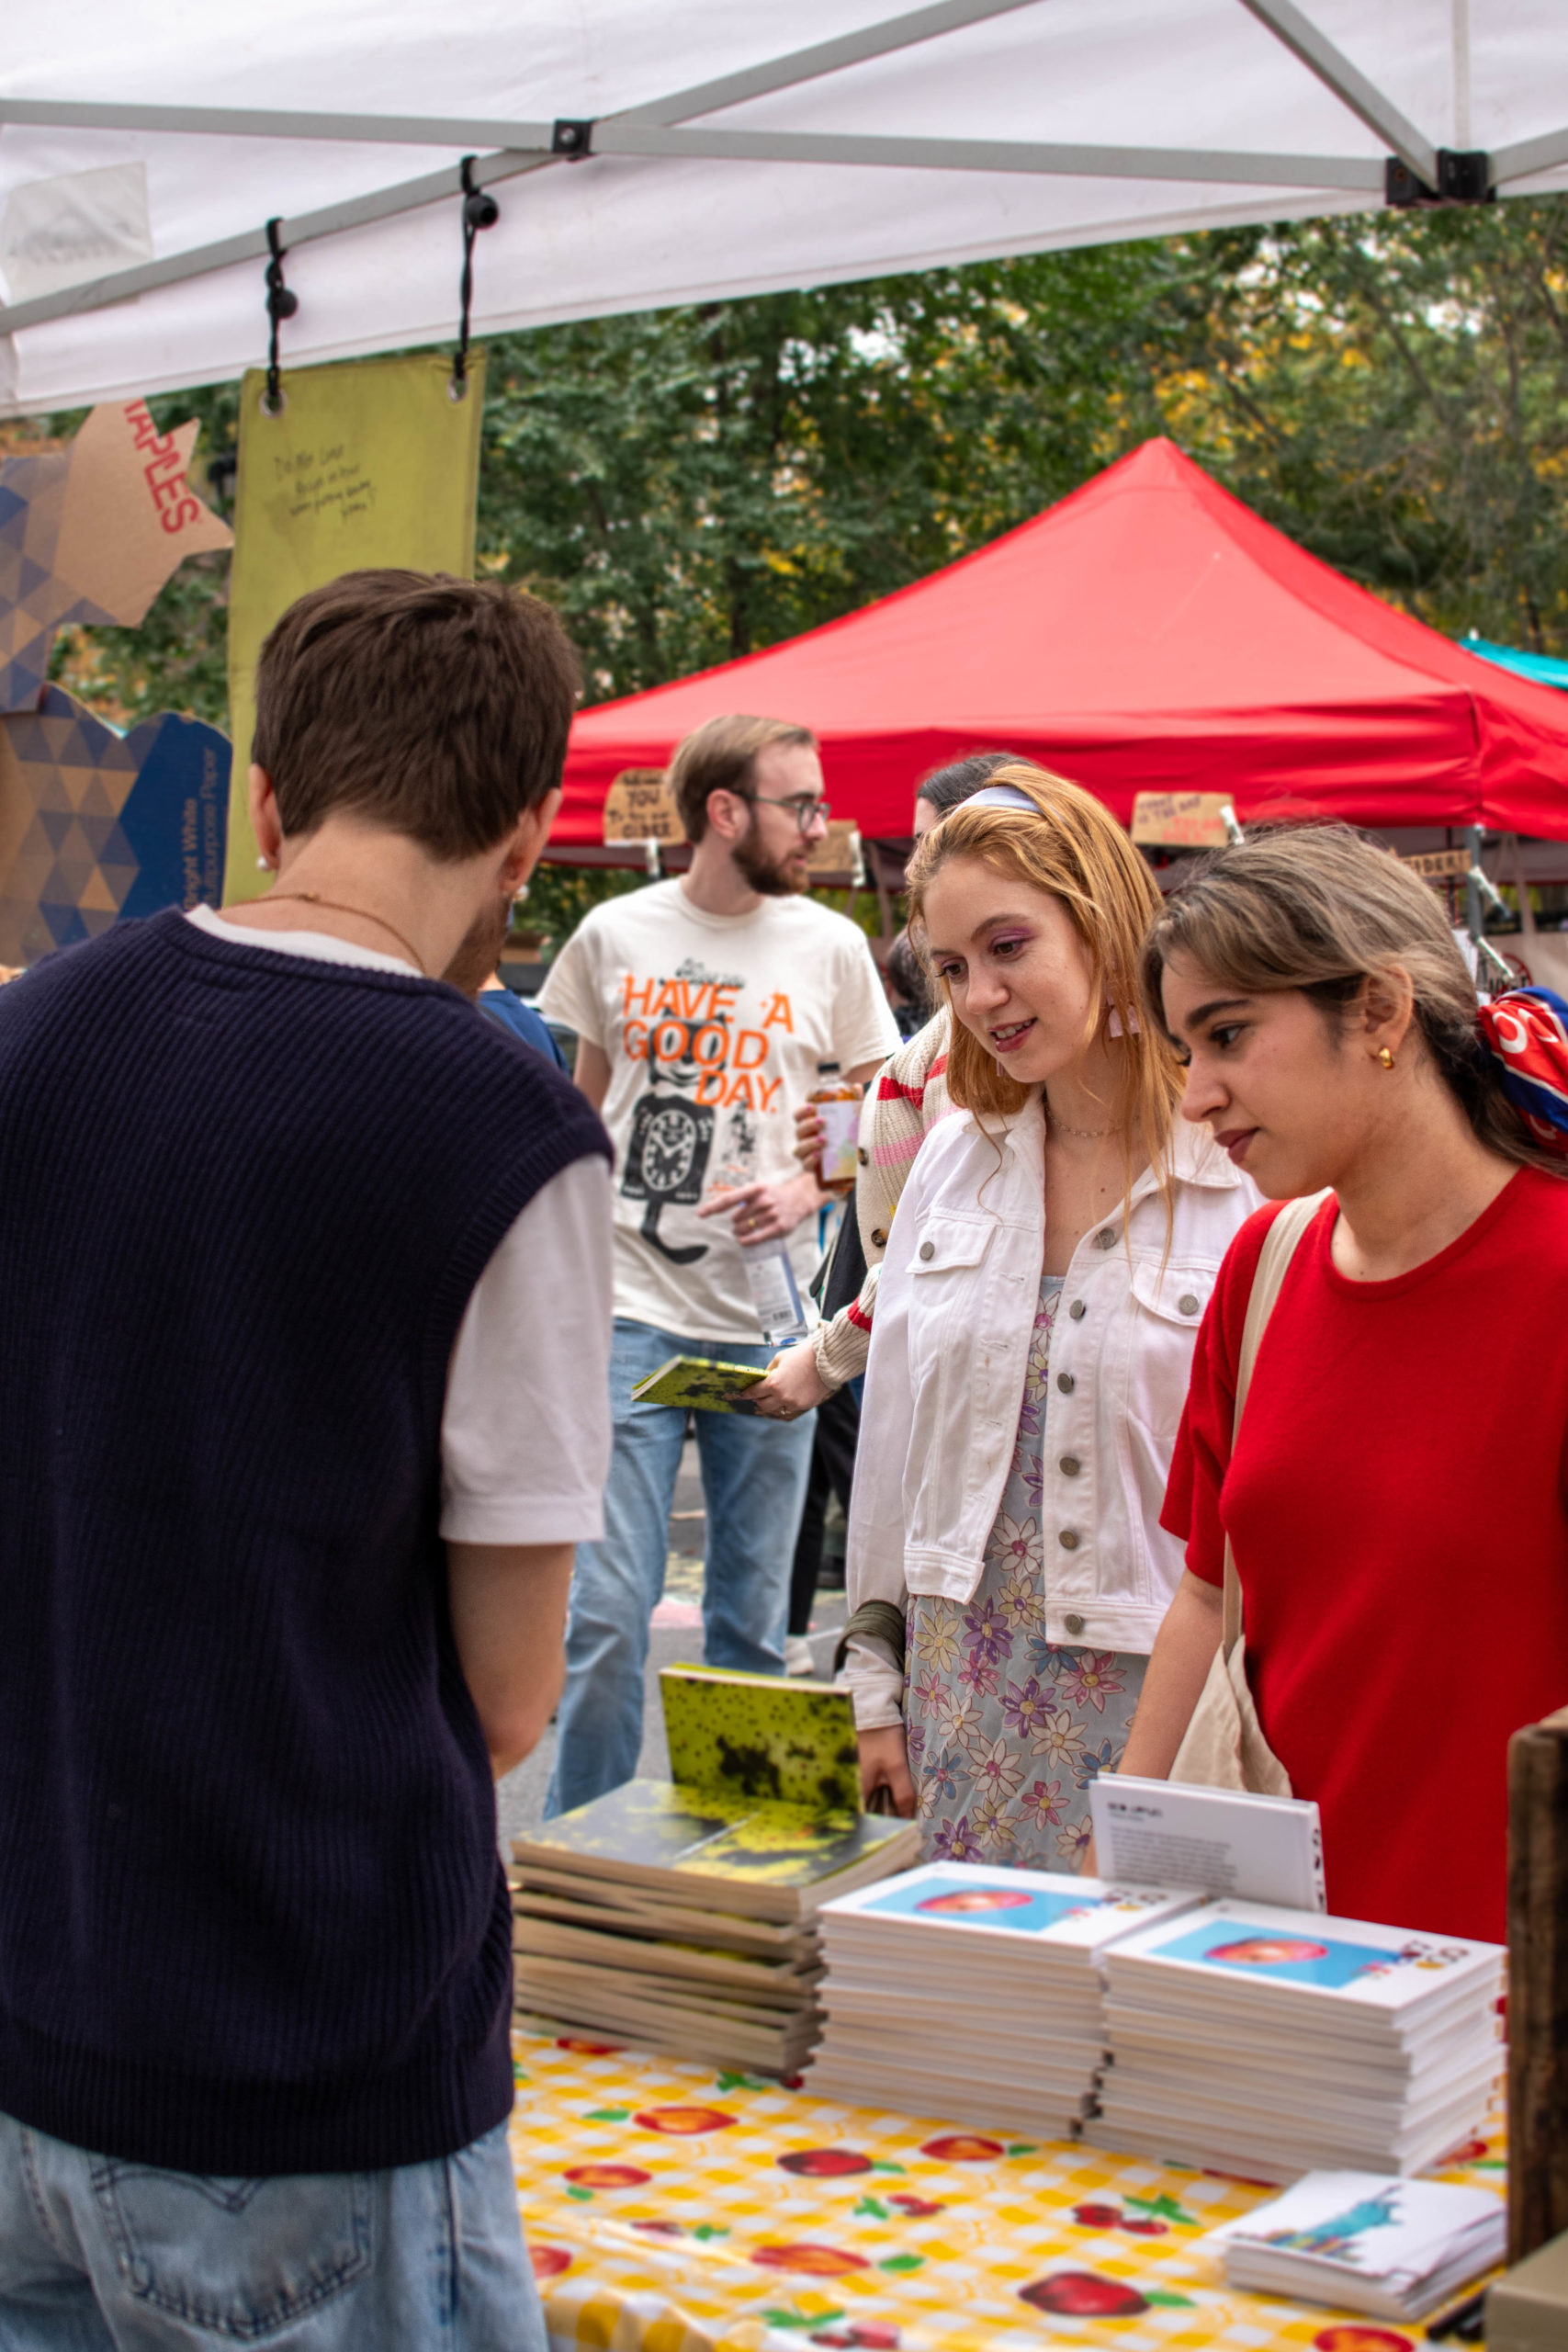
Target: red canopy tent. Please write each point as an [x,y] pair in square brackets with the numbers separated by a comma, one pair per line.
[1149,633]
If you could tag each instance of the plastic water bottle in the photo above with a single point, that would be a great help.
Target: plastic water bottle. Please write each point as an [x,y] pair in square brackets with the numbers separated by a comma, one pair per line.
[775,1294]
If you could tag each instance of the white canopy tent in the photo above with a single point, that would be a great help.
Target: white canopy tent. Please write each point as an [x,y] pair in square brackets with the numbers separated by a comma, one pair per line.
[647,154]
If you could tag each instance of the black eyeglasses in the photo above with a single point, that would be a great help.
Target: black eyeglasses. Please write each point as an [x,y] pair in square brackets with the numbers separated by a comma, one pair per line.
[801,806]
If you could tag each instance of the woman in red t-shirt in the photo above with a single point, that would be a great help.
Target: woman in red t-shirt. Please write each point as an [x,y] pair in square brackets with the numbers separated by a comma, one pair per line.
[1398,1498]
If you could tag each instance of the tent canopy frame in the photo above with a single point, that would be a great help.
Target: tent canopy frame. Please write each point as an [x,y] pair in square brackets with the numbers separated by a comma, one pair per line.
[1415,169]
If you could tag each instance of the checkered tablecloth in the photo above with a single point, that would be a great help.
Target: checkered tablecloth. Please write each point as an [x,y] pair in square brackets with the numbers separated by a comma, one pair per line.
[670,2208]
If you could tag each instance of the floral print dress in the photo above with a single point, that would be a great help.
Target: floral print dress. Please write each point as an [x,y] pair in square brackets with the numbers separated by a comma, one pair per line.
[1006,1731]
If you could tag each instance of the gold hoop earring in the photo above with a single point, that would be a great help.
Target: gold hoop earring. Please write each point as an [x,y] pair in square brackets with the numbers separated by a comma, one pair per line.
[1386,1057]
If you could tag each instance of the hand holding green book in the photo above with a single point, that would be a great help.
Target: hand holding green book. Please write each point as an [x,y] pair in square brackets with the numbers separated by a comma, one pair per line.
[699,1383]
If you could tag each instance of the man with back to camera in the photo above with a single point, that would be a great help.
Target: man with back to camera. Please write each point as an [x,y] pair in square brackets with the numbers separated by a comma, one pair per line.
[703,1007]
[305,1279]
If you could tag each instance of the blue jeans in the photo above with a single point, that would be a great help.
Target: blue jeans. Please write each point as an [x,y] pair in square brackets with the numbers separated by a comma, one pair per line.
[101,2255]
[754,1474]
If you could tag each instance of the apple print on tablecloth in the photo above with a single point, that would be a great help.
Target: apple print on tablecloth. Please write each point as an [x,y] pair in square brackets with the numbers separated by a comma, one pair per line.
[702,2231]
[607,2176]
[813,2261]
[1150,2217]
[825,2164]
[549,2261]
[962,2148]
[1084,2294]
[684,2122]
[1089,2294]
[862,2334]
[1352,2337]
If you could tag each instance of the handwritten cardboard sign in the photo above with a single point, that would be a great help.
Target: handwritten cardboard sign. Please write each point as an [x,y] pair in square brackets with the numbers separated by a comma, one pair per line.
[1181,819]
[839,850]
[366,464]
[640,807]
[1439,865]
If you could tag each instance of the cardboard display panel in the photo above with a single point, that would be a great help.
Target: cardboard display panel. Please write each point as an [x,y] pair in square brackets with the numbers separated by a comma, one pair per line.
[96,826]
[90,533]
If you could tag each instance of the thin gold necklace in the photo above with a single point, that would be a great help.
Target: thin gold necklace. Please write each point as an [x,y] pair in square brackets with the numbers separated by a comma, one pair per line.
[1084,1134]
[336,907]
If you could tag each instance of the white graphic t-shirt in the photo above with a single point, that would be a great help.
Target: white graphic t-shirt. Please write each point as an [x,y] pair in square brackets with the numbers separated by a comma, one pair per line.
[713,1026]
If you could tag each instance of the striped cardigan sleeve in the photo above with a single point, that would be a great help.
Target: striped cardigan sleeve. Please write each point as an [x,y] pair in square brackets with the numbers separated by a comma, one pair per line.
[903,1102]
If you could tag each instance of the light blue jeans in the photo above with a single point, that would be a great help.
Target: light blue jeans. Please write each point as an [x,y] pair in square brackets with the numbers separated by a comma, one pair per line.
[101,2255]
[754,1474]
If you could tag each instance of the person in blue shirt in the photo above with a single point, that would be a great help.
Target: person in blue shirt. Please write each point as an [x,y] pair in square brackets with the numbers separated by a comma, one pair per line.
[473,969]
[505,1005]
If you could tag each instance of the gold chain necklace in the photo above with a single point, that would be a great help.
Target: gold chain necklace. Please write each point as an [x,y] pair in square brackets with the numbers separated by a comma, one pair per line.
[1084,1134]
[336,907]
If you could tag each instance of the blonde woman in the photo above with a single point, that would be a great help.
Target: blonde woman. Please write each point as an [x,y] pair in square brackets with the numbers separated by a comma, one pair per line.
[906,1098]
[1055,1250]
[1403,1451]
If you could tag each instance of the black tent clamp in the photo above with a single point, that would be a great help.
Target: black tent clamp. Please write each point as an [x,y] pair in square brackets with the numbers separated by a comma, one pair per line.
[1464,177]
[282,302]
[481,210]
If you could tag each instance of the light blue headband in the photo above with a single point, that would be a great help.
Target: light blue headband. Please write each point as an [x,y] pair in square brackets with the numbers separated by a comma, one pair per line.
[1001,796]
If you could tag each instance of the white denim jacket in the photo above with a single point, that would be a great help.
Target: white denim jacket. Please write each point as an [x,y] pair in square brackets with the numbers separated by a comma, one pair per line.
[949,1349]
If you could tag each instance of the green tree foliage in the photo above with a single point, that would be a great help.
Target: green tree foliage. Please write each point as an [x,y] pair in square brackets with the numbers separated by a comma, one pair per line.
[691,486]
[1391,390]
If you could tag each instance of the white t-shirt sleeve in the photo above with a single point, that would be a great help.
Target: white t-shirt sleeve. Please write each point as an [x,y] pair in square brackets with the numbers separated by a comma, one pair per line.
[525,1432]
[864,1026]
[570,993]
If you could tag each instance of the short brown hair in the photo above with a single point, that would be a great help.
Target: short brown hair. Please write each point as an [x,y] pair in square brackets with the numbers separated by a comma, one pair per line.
[435,706]
[721,756]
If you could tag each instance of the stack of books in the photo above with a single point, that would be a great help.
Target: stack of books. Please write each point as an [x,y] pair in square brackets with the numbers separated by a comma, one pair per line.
[1394,2249]
[973,1994]
[1270,2043]
[680,1915]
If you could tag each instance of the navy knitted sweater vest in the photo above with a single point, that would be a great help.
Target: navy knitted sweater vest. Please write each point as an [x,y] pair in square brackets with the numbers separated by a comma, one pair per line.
[252,1919]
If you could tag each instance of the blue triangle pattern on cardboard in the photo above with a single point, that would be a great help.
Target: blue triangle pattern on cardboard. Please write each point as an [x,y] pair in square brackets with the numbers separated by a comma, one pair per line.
[165,848]
[175,821]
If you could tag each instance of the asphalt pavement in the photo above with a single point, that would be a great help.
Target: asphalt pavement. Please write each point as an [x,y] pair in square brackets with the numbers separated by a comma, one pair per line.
[675,1638]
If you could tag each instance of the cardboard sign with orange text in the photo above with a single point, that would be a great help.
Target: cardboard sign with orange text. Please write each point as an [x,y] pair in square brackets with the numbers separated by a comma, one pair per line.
[1181,819]
[90,533]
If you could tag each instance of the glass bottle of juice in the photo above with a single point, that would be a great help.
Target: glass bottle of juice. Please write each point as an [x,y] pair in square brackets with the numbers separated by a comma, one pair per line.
[838,1107]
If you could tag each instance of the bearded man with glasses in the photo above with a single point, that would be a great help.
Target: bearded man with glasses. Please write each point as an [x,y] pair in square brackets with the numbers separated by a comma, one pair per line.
[702,1008]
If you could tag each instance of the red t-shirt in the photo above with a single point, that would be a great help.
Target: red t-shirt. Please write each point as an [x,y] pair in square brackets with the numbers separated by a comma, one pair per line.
[1398,1505]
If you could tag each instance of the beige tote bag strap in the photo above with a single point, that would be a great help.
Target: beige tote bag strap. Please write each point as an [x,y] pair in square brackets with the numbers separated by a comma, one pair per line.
[1279,1247]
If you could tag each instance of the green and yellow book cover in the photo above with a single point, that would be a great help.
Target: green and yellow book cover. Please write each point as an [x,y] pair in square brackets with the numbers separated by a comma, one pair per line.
[698,1383]
[761,1812]
[760,1737]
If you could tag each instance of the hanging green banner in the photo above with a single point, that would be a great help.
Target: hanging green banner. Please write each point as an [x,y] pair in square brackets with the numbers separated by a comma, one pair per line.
[370,463]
